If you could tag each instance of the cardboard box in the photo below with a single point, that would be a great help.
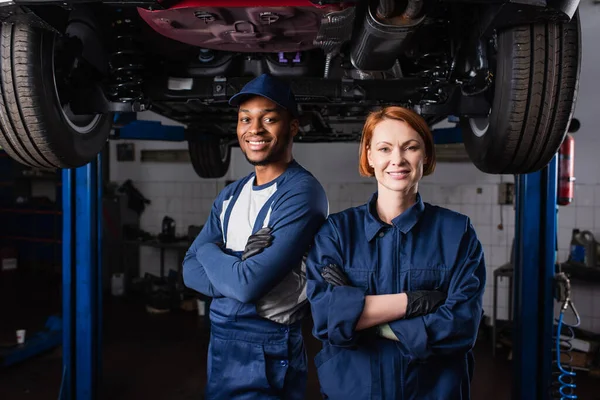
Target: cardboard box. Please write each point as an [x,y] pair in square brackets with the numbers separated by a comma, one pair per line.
[8,259]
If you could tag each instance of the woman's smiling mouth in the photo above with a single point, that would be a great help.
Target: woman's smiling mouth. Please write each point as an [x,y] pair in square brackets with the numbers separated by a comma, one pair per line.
[398,174]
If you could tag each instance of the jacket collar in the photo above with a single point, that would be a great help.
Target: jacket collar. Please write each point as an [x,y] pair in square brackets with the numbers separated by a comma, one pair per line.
[404,222]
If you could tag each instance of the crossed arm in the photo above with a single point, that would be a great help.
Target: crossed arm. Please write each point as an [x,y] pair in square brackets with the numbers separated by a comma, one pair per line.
[340,312]
[213,272]
[194,275]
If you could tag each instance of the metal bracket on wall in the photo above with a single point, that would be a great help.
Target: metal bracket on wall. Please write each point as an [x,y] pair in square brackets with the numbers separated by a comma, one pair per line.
[506,193]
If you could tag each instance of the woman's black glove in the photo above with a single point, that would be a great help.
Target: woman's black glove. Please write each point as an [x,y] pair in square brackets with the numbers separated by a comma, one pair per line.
[419,302]
[422,302]
[334,275]
[257,242]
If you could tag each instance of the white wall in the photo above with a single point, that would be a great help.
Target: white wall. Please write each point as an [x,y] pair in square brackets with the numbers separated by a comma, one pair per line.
[176,190]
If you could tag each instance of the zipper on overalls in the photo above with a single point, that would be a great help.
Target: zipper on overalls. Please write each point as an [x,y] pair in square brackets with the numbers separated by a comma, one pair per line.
[398,270]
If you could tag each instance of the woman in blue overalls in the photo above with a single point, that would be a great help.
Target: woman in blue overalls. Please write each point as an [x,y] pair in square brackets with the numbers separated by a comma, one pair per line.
[396,285]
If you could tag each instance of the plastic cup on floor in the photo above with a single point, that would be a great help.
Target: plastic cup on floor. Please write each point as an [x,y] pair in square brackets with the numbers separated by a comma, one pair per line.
[21,336]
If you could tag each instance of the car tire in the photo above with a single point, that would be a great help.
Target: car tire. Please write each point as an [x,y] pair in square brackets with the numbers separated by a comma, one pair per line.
[35,129]
[210,156]
[536,82]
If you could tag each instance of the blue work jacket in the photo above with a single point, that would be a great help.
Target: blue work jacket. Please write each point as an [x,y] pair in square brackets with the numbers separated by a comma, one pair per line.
[295,211]
[250,356]
[426,248]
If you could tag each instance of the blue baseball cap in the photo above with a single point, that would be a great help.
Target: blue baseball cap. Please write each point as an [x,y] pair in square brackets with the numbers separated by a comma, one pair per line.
[267,86]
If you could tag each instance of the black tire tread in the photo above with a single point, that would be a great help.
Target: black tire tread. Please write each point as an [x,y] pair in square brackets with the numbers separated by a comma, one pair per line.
[23,135]
[33,128]
[531,113]
[205,156]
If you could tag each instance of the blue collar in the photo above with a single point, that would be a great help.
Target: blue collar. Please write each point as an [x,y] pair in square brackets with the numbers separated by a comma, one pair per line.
[292,166]
[404,222]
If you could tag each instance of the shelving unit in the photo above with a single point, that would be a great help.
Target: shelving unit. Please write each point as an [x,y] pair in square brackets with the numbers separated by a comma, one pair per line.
[31,226]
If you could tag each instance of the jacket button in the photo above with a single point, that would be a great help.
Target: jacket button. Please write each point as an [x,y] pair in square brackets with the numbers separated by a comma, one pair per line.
[381,234]
[283,363]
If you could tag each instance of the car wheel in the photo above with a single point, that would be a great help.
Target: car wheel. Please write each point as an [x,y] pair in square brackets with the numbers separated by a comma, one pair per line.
[210,156]
[536,80]
[37,125]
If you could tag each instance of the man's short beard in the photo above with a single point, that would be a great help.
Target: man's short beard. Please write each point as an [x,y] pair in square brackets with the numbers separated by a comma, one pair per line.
[260,163]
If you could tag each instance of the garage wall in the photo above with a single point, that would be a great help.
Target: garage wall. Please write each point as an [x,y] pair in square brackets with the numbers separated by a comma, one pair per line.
[176,191]
[585,212]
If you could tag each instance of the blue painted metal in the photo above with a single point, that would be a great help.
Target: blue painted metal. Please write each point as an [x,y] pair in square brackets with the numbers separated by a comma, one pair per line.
[535,259]
[67,282]
[84,321]
[447,135]
[122,119]
[549,269]
[150,130]
[35,344]
[81,282]
[99,261]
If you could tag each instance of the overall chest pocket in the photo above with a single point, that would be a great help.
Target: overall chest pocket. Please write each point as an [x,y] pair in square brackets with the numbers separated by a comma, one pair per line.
[433,277]
[359,278]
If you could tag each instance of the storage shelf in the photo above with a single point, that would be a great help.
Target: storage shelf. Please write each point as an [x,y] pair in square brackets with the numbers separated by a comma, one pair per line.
[29,211]
[30,239]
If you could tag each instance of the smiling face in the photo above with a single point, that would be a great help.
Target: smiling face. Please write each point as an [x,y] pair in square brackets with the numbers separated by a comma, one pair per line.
[265,131]
[397,155]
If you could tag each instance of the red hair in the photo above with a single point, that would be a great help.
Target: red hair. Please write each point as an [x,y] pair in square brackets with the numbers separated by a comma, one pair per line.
[414,120]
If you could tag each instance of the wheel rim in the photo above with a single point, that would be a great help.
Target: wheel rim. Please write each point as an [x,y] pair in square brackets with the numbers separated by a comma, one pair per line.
[82,124]
[479,126]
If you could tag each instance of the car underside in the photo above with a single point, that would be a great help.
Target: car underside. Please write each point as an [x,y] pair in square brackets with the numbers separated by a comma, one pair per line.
[508,71]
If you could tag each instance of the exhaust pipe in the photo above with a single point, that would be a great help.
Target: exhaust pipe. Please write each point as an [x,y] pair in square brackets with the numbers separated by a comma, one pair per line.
[381,39]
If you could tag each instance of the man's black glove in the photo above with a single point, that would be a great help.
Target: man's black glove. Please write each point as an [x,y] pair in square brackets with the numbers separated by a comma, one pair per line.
[335,276]
[422,302]
[257,242]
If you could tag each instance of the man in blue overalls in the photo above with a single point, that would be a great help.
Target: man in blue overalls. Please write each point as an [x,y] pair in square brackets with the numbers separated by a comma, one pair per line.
[249,255]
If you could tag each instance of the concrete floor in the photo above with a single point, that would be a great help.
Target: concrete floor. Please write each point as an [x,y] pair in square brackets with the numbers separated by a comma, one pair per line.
[163,357]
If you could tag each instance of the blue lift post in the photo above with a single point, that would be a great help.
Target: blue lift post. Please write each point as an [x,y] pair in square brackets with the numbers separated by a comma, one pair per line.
[534,270]
[82,281]
[535,259]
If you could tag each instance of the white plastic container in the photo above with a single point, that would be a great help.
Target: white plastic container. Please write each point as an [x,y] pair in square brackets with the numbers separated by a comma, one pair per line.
[21,336]
[117,284]
[201,307]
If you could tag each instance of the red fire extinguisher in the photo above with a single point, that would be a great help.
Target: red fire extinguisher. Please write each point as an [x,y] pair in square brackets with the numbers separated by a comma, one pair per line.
[566,171]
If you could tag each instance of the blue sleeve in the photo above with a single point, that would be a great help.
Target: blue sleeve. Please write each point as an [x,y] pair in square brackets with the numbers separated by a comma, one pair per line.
[194,275]
[335,309]
[294,221]
[452,328]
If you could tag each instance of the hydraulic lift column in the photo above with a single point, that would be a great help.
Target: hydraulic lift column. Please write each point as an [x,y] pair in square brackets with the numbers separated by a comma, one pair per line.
[535,258]
[82,281]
